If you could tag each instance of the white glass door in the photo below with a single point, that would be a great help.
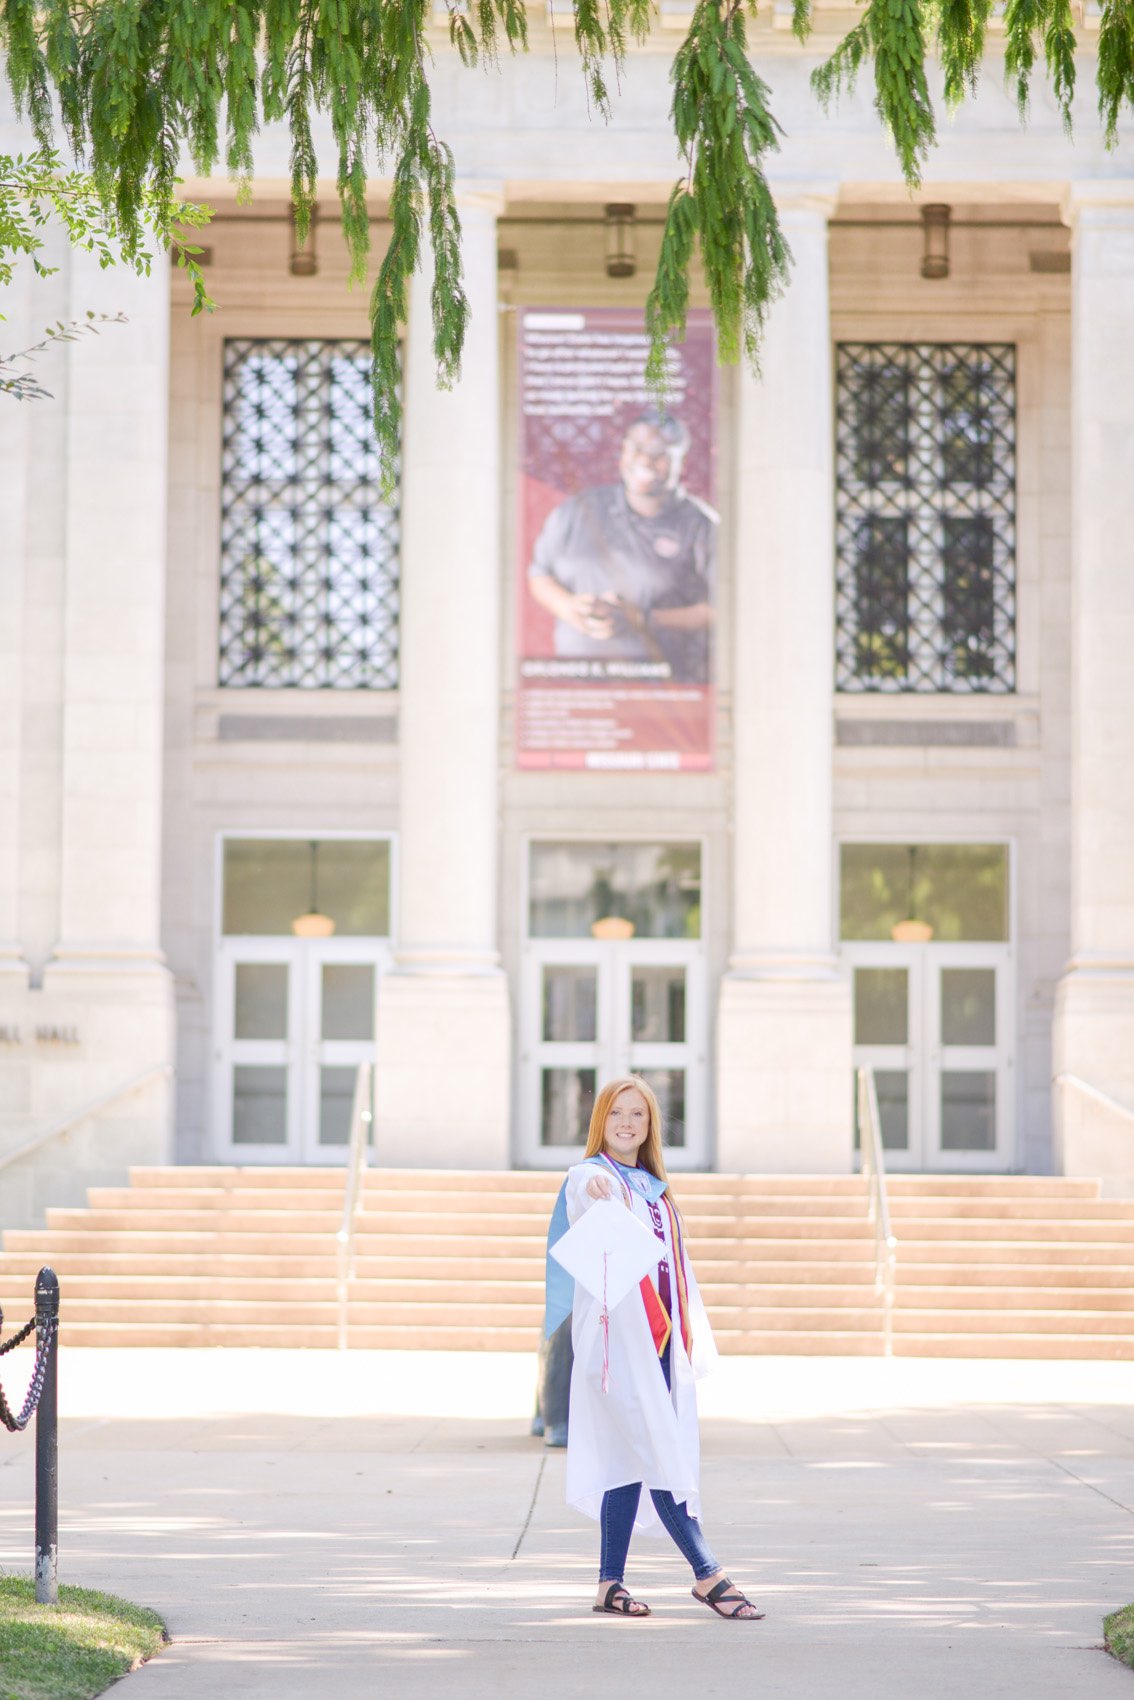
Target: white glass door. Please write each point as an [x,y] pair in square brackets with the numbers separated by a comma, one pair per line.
[259,1038]
[934,1022]
[969,1008]
[888,1032]
[295,1018]
[594,1009]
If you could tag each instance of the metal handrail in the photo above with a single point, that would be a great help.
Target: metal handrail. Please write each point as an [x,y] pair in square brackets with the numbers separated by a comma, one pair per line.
[874,1169]
[56,1129]
[1089,1091]
[361,1117]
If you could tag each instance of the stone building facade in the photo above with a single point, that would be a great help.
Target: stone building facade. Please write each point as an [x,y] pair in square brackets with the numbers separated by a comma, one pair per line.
[895,857]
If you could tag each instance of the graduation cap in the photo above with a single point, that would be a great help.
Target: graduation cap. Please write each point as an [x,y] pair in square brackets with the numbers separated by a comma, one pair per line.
[608,1250]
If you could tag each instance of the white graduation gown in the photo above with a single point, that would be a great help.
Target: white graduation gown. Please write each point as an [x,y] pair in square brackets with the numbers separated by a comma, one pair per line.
[638,1431]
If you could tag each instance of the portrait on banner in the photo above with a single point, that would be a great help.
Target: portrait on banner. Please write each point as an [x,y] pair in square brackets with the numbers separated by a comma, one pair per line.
[618,545]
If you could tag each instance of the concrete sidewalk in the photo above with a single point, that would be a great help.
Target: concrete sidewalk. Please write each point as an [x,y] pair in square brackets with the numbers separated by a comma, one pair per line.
[311,1524]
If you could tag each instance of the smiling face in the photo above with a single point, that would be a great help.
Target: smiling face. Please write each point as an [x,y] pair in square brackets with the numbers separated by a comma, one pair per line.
[627,1125]
[648,465]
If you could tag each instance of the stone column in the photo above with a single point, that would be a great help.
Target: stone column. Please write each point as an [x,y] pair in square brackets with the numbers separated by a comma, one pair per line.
[1094,1012]
[784,1030]
[15,446]
[443,1023]
[107,983]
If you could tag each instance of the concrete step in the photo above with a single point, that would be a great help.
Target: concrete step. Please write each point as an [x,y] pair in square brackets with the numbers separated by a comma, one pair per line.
[206,1309]
[215,1240]
[187,1207]
[266,1219]
[1036,1265]
[149,1334]
[432,1181]
[1004,1277]
[1039,1210]
[527,1286]
[722,1295]
[995,1186]
[186,1221]
[414,1338]
[954,1320]
[913,1300]
[1075,1230]
[104,1288]
[1020,1255]
[303,1179]
[22,1266]
[139,1288]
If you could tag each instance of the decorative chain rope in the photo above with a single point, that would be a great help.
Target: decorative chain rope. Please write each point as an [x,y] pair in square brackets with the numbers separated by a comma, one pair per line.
[13,1423]
[17,1339]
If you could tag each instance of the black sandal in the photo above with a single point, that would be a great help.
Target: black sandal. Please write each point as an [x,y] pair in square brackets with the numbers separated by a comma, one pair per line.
[619,1603]
[724,1594]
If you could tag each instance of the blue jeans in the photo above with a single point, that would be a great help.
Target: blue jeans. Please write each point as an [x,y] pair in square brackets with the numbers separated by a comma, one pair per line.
[616,1522]
[619,1508]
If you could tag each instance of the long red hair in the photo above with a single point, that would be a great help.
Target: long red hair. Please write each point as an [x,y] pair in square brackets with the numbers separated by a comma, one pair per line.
[649,1154]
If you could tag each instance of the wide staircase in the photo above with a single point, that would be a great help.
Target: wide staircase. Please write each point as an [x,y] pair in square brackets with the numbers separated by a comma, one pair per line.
[987,1267]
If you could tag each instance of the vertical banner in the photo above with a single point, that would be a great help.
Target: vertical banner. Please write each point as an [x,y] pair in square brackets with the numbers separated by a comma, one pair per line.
[617,540]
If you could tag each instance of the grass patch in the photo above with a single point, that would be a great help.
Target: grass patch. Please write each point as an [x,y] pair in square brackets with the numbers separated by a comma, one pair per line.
[71,1651]
[1119,1631]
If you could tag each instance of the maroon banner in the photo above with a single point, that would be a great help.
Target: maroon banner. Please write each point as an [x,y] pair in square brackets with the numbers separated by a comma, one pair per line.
[617,538]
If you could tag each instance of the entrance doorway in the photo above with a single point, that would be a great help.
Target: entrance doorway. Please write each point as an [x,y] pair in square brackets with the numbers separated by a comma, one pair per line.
[296,994]
[299,1018]
[934,1000]
[613,984]
[931,1021]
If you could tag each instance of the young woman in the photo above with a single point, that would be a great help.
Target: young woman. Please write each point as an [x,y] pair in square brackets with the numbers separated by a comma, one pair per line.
[643,1429]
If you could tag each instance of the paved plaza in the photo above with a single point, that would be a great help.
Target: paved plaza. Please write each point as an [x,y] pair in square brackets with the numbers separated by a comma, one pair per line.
[311,1524]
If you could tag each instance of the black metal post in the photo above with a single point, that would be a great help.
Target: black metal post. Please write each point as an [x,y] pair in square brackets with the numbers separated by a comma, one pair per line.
[47,1443]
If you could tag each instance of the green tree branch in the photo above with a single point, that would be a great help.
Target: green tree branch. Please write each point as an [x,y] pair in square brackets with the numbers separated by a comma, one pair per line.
[135,84]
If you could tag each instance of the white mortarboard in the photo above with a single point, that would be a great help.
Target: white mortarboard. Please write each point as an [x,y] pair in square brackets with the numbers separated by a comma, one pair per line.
[608,1251]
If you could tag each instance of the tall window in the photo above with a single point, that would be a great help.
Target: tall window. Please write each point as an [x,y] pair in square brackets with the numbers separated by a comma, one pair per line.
[926,517]
[309,550]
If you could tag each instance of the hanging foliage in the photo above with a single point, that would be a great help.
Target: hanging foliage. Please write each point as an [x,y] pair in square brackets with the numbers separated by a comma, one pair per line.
[136,84]
[724,129]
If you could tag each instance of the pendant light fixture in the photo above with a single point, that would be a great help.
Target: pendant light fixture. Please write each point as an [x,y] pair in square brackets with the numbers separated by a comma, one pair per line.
[935,240]
[313,925]
[612,927]
[911,930]
[303,260]
[621,258]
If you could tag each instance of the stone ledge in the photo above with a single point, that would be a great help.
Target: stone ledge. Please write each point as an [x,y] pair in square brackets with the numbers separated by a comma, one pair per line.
[305,729]
[989,734]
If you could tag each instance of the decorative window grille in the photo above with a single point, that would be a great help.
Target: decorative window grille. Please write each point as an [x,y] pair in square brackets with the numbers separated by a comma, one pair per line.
[309,549]
[926,517]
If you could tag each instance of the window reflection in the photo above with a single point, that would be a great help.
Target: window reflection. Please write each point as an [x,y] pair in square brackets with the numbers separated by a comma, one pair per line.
[654,888]
[267,883]
[961,890]
[336,1100]
[570,1004]
[968,1110]
[261,1000]
[567,1096]
[968,1006]
[881,1006]
[259,1104]
[348,1000]
[668,1086]
[657,1005]
[892,1087]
